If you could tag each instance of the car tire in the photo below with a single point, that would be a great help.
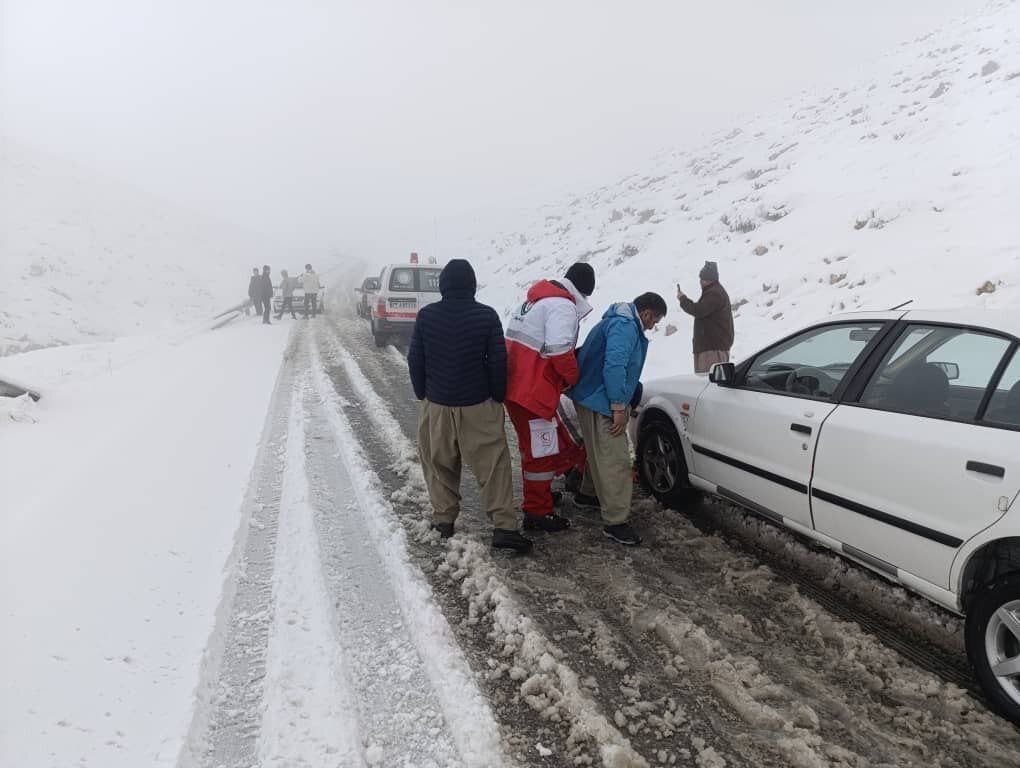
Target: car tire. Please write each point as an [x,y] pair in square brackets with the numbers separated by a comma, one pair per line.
[992,636]
[662,466]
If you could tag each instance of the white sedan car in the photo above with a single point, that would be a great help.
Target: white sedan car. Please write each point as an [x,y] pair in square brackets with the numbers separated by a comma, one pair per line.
[892,438]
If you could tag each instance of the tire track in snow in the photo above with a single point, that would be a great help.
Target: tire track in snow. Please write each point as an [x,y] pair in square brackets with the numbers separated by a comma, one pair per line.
[226,721]
[417,689]
[309,710]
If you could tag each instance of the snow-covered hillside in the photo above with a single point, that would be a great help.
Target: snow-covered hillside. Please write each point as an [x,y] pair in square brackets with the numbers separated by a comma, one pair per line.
[902,186]
[87,259]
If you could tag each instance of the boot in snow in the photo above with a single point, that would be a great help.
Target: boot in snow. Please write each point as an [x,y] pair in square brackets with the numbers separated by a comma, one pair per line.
[445,529]
[587,502]
[623,533]
[547,523]
[504,539]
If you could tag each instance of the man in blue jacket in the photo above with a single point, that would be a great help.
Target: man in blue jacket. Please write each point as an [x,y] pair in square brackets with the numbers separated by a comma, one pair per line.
[611,361]
[457,361]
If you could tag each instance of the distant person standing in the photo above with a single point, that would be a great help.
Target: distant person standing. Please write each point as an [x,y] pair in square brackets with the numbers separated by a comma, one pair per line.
[266,293]
[253,291]
[310,285]
[287,289]
[713,320]
[457,362]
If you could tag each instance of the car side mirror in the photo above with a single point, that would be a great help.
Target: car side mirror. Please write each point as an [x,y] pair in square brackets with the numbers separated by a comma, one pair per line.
[723,374]
[952,370]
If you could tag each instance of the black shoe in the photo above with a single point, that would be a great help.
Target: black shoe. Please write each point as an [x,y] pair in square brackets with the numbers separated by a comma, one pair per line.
[572,481]
[504,539]
[588,502]
[445,529]
[547,523]
[557,498]
[623,533]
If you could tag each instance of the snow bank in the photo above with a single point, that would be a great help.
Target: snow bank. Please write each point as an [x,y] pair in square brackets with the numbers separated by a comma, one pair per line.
[120,507]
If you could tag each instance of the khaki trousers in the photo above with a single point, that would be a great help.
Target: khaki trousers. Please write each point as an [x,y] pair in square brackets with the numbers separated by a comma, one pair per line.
[474,434]
[608,474]
[703,361]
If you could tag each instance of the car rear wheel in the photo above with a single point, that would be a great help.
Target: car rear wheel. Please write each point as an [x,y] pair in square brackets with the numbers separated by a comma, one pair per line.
[380,338]
[662,467]
[993,643]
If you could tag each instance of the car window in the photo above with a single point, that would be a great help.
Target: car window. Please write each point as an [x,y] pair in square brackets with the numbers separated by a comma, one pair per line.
[936,371]
[429,280]
[1004,405]
[811,364]
[402,280]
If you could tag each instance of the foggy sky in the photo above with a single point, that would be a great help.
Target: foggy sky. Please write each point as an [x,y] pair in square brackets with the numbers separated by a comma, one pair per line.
[353,125]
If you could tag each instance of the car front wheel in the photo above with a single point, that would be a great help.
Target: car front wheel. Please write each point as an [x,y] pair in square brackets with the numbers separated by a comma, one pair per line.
[661,465]
[993,643]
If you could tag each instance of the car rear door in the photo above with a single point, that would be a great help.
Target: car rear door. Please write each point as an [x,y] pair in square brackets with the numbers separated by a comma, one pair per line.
[428,286]
[400,295]
[910,468]
[756,440]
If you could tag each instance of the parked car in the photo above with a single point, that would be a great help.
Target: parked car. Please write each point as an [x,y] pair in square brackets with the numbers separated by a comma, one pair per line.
[299,299]
[892,438]
[403,290]
[366,294]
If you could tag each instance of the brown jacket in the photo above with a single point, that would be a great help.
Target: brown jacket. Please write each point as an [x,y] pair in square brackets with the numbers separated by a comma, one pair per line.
[713,319]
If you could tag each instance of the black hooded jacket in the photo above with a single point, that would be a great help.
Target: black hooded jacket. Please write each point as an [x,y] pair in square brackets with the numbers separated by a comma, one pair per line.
[457,355]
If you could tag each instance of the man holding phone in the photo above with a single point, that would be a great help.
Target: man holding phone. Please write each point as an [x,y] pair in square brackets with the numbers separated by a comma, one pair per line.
[713,320]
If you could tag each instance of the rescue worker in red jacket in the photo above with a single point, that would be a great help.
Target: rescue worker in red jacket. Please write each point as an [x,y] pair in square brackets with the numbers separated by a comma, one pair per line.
[540,340]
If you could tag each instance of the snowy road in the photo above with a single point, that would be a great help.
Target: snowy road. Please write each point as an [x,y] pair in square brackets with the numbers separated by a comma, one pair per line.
[335,652]
[353,636]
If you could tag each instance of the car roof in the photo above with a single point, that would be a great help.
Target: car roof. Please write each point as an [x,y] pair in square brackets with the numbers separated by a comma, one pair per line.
[1002,320]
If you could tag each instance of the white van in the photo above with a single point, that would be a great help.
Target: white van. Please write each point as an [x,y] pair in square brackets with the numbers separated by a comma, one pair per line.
[403,290]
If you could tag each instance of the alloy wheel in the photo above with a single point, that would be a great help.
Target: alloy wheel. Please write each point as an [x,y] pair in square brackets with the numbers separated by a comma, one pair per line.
[1002,647]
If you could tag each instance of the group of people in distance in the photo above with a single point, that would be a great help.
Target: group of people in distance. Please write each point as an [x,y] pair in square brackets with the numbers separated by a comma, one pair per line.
[569,404]
[261,292]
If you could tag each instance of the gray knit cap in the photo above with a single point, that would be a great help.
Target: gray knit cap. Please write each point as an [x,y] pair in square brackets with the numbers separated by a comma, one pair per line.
[709,272]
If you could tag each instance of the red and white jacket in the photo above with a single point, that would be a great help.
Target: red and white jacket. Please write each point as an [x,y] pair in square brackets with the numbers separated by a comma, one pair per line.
[540,340]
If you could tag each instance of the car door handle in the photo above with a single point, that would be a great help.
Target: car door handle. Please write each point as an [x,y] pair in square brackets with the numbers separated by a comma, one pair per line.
[986,469]
[804,429]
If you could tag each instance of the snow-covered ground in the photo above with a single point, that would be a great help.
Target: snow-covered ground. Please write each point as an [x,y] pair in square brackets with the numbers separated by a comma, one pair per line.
[214,545]
[86,259]
[121,499]
[900,186]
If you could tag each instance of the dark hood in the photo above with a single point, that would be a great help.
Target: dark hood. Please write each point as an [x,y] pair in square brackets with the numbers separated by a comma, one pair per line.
[457,280]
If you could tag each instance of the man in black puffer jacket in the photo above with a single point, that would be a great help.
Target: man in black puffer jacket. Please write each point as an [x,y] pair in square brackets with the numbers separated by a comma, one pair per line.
[457,361]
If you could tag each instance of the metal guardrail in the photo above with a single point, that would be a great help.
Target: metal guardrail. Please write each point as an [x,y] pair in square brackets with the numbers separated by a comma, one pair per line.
[228,316]
[10,389]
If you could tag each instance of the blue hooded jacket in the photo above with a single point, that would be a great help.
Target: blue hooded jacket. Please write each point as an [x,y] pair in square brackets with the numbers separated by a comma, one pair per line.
[611,360]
